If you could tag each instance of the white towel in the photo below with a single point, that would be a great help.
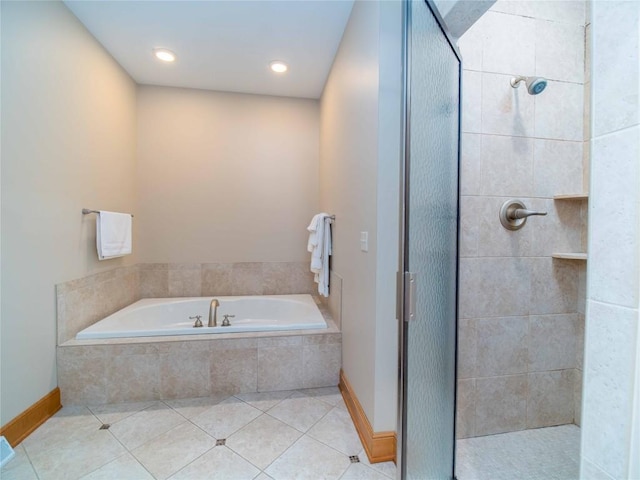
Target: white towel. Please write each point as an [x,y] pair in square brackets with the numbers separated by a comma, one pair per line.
[113,234]
[319,244]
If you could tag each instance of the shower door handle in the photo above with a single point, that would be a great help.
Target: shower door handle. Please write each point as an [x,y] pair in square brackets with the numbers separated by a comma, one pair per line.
[409,296]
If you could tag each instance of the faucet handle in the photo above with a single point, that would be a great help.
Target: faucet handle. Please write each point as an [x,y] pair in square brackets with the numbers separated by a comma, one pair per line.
[198,322]
[225,320]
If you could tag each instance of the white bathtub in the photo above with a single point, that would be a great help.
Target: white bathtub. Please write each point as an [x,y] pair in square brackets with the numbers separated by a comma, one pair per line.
[170,316]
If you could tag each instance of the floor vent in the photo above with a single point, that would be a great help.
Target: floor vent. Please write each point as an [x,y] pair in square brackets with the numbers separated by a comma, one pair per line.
[104,426]
[222,441]
[354,459]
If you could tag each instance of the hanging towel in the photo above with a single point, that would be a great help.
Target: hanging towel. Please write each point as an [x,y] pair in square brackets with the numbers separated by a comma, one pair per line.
[113,234]
[319,245]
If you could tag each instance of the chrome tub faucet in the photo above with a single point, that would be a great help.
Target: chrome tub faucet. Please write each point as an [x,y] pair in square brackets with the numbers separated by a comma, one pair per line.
[213,312]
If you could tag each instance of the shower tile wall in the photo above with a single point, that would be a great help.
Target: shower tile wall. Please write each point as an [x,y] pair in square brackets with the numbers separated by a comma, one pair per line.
[521,312]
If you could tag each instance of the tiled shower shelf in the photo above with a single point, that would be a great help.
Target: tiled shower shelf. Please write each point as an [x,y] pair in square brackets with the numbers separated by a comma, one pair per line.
[572,196]
[570,256]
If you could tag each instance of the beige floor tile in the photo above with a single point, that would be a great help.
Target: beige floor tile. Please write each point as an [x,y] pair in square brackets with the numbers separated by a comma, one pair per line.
[166,454]
[119,411]
[19,467]
[309,459]
[219,463]
[336,430]
[331,395]
[124,467]
[145,425]
[263,440]
[360,471]
[192,407]
[299,411]
[73,458]
[264,400]
[68,424]
[222,420]
[263,476]
[342,405]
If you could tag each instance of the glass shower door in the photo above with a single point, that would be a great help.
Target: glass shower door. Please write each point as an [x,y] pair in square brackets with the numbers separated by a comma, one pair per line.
[429,282]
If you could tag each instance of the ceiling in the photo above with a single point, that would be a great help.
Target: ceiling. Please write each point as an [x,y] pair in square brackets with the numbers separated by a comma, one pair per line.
[222,45]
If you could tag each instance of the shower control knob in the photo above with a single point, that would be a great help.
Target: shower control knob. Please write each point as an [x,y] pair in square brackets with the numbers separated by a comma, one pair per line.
[514,214]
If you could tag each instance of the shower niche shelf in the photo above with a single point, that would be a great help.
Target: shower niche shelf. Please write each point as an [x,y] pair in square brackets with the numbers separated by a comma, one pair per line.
[570,256]
[572,196]
[580,256]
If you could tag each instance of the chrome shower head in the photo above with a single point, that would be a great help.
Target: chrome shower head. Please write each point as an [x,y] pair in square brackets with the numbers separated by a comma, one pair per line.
[535,85]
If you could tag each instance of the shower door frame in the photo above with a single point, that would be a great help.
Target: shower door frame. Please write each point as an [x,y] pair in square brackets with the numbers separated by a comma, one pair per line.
[403,286]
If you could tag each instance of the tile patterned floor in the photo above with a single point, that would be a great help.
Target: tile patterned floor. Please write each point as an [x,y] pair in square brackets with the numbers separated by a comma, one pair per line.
[303,434]
[551,453]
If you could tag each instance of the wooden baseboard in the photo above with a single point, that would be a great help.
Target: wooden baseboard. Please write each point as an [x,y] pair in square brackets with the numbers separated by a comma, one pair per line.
[24,424]
[379,446]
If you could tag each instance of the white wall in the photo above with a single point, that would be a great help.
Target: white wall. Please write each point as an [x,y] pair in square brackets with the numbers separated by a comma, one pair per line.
[611,388]
[359,157]
[68,142]
[225,177]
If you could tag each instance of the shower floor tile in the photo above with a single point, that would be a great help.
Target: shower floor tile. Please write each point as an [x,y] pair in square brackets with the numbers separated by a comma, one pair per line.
[551,453]
[177,439]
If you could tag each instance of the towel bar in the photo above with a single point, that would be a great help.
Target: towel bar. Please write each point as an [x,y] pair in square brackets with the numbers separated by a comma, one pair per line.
[86,211]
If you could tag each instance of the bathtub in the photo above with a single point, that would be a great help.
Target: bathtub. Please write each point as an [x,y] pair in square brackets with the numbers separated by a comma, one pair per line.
[152,317]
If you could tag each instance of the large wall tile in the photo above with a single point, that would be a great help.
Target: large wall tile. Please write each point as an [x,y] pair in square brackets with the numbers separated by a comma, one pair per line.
[467,348]
[501,346]
[154,280]
[589,471]
[507,166]
[554,286]
[557,168]
[501,404]
[616,70]
[608,385]
[470,164]
[559,111]
[613,219]
[506,110]
[577,396]
[247,279]
[280,368]
[185,374]
[494,287]
[465,408]
[560,51]
[133,378]
[508,44]
[82,375]
[565,11]
[495,240]
[472,101]
[321,365]
[335,297]
[185,280]
[470,208]
[216,279]
[234,370]
[552,342]
[550,400]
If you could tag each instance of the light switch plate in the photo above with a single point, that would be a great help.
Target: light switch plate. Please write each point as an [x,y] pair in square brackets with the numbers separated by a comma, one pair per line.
[364,241]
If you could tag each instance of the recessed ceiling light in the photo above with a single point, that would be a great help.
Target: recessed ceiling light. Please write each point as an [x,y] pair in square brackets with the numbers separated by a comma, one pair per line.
[278,66]
[164,54]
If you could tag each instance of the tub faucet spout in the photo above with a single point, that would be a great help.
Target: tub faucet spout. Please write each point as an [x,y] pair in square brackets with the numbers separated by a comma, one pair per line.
[213,312]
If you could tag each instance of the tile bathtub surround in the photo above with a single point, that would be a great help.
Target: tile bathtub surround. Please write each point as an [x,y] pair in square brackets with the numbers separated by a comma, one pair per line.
[178,440]
[84,301]
[107,373]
